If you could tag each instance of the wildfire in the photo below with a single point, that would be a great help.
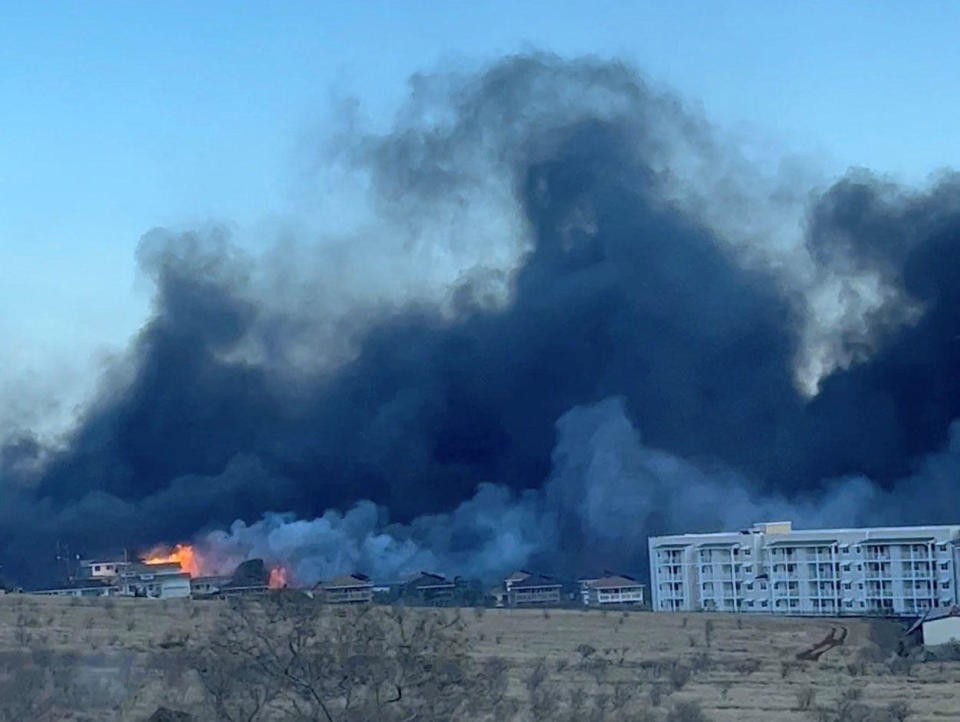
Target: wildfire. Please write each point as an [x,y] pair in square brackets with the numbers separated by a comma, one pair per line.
[182,553]
[278,578]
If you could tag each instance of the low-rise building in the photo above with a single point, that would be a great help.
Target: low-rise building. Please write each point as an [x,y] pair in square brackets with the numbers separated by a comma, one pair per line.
[209,585]
[79,588]
[347,589]
[534,589]
[101,569]
[615,589]
[431,589]
[157,581]
[939,626]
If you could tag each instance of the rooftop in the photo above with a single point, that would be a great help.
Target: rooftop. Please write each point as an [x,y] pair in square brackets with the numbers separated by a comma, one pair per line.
[786,527]
[617,581]
[348,580]
[536,580]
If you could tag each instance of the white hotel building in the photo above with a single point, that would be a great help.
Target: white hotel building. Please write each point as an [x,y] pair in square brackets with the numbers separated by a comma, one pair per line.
[771,568]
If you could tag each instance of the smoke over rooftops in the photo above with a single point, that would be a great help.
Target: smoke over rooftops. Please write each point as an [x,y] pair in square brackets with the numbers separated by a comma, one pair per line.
[594,284]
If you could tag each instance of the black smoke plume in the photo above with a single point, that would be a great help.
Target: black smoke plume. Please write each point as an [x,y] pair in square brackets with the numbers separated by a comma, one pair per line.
[499,422]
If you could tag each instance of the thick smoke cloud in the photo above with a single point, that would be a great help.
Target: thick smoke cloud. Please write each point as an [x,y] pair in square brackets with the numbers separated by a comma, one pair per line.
[606,493]
[433,418]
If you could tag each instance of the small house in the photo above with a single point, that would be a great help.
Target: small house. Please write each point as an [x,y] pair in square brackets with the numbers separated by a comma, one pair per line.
[79,588]
[208,586]
[157,581]
[939,626]
[533,589]
[518,576]
[614,590]
[101,569]
[431,589]
[347,589]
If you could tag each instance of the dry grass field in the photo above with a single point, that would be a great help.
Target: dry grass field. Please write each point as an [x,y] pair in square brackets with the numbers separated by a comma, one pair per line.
[742,669]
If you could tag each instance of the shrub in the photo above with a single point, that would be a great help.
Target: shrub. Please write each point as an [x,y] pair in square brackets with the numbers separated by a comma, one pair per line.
[585,650]
[679,676]
[746,667]
[900,666]
[898,711]
[805,698]
[656,695]
[701,662]
[687,711]
[287,651]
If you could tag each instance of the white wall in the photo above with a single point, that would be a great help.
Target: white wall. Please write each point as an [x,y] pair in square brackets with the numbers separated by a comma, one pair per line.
[174,588]
[941,631]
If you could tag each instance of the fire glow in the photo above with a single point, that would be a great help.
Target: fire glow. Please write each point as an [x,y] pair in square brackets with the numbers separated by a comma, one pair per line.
[183,554]
[278,578]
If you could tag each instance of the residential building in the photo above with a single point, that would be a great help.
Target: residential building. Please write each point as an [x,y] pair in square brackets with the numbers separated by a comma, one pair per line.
[772,568]
[532,589]
[939,626]
[347,589]
[100,569]
[79,588]
[158,581]
[518,576]
[208,586]
[431,589]
[613,589]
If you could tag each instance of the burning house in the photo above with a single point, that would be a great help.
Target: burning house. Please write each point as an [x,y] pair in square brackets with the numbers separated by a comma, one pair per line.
[174,573]
[250,577]
[166,580]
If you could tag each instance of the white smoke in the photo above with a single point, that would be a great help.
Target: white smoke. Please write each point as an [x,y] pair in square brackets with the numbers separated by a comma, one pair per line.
[607,493]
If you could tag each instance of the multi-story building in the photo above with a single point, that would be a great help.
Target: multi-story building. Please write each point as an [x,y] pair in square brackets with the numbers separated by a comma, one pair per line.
[772,568]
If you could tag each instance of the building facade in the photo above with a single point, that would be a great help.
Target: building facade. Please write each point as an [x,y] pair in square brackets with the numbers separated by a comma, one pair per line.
[431,589]
[939,626]
[611,590]
[772,568]
[534,589]
[157,581]
[347,589]
[616,590]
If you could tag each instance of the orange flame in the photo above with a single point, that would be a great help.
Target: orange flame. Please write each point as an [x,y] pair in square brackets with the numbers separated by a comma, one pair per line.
[181,553]
[278,578]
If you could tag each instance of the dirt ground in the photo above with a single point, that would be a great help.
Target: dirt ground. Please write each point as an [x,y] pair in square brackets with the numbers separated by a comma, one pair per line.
[741,668]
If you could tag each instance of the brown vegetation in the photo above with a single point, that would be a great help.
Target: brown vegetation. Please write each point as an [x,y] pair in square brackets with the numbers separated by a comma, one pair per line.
[292,658]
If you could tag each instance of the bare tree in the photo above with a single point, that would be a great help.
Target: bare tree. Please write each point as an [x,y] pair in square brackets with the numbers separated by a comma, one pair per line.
[291,654]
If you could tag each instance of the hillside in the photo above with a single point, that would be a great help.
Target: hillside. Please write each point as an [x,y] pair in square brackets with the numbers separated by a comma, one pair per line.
[129,659]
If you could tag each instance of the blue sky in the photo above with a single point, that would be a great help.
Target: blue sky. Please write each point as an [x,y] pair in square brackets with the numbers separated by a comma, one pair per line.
[121,116]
